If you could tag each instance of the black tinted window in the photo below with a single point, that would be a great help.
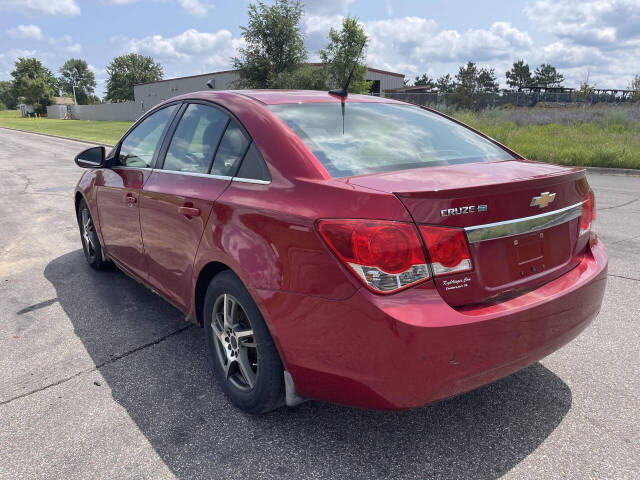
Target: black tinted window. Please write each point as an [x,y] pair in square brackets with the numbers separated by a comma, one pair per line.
[377,137]
[253,166]
[138,148]
[195,140]
[230,152]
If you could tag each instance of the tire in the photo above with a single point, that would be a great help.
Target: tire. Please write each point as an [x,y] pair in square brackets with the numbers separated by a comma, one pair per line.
[242,354]
[89,237]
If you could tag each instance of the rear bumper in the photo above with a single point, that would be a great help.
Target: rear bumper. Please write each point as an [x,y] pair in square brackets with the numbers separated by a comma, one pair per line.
[411,348]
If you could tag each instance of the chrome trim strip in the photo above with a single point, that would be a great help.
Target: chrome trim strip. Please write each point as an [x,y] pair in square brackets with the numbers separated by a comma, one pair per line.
[519,226]
[251,180]
[123,167]
[193,174]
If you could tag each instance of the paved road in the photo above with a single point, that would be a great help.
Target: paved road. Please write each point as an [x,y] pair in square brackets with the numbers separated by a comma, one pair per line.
[102,379]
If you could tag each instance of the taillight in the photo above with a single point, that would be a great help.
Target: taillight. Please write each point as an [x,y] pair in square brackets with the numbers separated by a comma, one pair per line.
[588,214]
[448,249]
[385,256]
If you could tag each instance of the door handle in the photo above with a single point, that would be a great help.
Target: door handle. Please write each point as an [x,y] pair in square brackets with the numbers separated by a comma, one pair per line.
[189,212]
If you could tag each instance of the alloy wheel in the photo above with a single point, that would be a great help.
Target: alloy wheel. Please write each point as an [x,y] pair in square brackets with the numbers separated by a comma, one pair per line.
[87,233]
[235,344]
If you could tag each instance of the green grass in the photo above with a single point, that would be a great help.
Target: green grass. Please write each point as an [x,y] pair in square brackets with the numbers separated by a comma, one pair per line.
[613,144]
[101,132]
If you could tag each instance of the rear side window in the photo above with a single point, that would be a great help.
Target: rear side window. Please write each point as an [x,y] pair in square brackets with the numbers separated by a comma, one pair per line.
[253,166]
[232,147]
[195,140]
[367,138]
[138,147]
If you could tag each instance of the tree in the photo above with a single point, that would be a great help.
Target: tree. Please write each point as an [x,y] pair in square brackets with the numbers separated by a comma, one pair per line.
[585,90]
[274,43]
[519,76]
[128,70]
[340,55]
[34,82]
[425,81]
[635,86]
[466,84]
[307,77]
[470,81]
[75,71]
[487,81]
[445,84]
[8,95]
[548,76]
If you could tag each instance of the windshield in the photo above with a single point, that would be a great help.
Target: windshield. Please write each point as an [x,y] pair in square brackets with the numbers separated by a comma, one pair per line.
[381,137]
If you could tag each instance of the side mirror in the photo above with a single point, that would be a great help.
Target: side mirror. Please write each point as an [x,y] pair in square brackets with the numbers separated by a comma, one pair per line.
[91,158]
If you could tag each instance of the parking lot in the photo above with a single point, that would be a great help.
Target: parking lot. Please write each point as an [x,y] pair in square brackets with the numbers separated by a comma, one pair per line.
[100,378]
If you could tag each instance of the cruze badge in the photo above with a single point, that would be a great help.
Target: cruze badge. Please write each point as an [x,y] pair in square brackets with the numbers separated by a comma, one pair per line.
[543,200]
[447,212]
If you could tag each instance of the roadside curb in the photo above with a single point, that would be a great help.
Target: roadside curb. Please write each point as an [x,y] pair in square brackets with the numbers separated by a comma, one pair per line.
[57,136]
[614,171]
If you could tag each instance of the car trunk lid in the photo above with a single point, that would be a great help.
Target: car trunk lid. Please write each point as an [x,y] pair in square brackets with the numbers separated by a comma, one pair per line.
[520,219]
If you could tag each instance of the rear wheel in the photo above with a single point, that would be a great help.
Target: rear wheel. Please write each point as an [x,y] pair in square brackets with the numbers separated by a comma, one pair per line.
[243,356]
[89,236]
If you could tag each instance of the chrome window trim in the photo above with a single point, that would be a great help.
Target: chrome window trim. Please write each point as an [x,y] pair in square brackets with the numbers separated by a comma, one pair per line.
[210,175]
[194,174]
[520,226]
[124,167]
[251,180]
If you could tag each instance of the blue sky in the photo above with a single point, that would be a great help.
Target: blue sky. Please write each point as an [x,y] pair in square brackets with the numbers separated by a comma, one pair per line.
[599,38]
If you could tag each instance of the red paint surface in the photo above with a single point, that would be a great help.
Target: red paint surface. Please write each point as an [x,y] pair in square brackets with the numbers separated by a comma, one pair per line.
[339,341]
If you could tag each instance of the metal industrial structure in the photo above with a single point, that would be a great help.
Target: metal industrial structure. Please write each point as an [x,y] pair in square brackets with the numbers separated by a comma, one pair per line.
[152,93]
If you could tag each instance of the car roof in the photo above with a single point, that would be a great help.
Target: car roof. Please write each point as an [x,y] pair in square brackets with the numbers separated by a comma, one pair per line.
[278,97]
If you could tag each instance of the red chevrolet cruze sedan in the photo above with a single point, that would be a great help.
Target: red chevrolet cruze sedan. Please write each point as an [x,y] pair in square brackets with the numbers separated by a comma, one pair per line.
[361,251]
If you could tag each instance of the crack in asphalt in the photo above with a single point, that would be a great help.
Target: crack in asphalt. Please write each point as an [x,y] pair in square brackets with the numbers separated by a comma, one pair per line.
[622,276]
[625,240]
[618,206]
[99,366]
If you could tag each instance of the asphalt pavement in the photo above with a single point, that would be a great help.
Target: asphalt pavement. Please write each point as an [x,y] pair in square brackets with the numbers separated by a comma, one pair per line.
[100,378]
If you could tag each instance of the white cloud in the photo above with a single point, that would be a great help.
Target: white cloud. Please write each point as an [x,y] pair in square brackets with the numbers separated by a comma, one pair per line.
[588,22]
[195,7]
[415,45]
[27,32]
[41,7]
[213,49]
[65,44]
[325,7]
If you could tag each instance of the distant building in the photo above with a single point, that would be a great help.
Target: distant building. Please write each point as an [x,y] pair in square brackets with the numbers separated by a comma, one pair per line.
[63,101]
[152,93]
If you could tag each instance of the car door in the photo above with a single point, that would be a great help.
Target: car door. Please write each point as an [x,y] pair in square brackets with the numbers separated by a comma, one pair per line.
[195,166]
[119,187]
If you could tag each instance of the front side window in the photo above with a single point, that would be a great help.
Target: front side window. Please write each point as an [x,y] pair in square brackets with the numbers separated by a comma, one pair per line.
[194,141]
[138,147]
[380,137]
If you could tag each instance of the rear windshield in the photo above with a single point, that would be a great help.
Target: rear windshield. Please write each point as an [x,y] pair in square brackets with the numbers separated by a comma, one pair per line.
[381,137]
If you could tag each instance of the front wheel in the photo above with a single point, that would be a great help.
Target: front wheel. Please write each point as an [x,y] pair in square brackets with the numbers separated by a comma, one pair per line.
[89,236]
[243,356]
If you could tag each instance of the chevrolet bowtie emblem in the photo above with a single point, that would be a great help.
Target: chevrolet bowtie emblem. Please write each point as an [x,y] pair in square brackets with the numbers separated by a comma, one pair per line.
[543,200]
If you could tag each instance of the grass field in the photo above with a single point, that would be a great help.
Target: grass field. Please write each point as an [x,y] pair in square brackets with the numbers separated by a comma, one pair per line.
[601,136]
[101,132]
[598,136]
